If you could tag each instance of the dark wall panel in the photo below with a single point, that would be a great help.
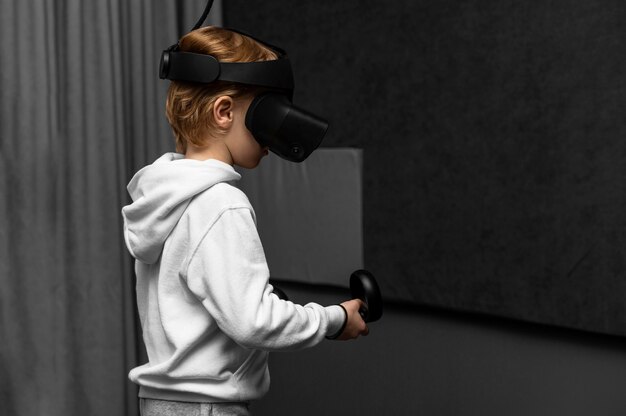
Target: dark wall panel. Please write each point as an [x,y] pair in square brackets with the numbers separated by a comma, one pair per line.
[494,144]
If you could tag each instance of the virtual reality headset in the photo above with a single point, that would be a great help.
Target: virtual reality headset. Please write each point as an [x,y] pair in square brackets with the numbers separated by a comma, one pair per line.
[288,131]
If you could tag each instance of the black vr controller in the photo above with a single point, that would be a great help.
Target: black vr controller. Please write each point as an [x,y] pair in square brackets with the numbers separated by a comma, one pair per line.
[363,286]
[288,131]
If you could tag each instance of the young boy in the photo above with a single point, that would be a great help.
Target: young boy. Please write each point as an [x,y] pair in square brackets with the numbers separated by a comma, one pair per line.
[207,310]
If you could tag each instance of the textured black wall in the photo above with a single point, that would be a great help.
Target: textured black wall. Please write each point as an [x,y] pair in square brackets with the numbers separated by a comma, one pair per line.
[493,135]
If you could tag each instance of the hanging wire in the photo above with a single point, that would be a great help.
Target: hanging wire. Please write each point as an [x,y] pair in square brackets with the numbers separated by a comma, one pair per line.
[207,9]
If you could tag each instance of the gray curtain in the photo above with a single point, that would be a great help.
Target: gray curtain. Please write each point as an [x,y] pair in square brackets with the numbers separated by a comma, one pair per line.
[81,109]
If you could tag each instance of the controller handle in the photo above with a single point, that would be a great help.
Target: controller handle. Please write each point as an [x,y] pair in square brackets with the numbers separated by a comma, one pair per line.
[363,286]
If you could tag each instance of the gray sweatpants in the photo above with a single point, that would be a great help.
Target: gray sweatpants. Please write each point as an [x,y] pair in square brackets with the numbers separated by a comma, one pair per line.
[151,407]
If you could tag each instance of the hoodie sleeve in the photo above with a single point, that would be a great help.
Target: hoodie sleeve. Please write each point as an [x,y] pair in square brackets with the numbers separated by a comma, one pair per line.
[229,274]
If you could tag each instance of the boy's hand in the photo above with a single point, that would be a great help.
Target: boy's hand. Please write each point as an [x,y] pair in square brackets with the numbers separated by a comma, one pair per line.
[355,325]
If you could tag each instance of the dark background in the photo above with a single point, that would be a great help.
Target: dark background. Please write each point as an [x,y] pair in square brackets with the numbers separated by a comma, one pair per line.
[81,109]
[493,139]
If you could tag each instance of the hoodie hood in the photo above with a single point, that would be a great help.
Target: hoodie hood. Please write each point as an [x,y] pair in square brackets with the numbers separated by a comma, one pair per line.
[160,193]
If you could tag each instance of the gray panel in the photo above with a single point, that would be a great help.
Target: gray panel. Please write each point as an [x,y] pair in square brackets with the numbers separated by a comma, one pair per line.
[309,215]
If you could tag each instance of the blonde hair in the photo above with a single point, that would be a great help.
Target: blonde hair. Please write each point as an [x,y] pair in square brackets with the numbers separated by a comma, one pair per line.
[189,105]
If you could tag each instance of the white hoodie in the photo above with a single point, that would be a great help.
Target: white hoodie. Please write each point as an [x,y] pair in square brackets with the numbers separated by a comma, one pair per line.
[208,314]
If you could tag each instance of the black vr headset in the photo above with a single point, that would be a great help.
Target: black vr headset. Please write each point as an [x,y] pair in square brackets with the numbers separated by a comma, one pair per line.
[273,120]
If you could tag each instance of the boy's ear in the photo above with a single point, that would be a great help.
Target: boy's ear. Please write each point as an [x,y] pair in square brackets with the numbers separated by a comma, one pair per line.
[223,111]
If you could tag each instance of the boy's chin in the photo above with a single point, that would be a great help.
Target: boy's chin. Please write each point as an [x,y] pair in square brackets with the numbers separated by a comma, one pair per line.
[249,164]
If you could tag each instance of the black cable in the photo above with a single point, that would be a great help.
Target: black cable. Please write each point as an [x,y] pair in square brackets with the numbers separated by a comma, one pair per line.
[207,9]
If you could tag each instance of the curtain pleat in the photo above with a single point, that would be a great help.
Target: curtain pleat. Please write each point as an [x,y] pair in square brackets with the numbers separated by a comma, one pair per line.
[81,109]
